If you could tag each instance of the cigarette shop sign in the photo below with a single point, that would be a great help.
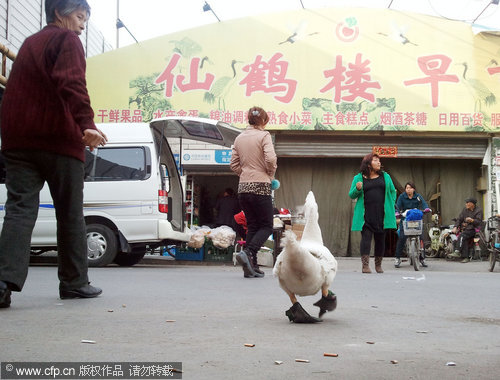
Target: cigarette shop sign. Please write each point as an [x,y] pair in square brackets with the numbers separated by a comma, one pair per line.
[385,151]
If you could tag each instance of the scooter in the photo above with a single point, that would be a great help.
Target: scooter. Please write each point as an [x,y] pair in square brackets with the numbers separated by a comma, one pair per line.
[433,246]
[448,240]
[442,239]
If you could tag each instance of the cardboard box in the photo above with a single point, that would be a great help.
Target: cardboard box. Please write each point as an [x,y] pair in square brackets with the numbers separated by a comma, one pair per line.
[265,257]
[298,227]
[298,230]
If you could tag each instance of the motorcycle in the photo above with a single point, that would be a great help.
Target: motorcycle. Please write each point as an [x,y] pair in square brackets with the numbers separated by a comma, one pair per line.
[442,240]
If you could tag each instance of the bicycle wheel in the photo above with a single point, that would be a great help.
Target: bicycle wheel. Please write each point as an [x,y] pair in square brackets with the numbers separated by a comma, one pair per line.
[493,258]
[414,248]
[408,250]
[483,245]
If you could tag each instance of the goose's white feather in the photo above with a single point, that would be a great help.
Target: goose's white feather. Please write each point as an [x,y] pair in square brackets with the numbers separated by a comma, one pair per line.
[304,267]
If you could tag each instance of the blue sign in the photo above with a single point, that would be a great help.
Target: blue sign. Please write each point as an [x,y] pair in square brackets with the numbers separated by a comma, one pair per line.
[223,156]
[177,161]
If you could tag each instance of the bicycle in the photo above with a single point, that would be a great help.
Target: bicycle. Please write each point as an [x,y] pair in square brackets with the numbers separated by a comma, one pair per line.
[413,229]
[480,244]
[493,243]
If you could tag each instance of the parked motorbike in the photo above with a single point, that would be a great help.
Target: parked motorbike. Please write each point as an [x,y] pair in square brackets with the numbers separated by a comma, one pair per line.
[442,240]
[478,245]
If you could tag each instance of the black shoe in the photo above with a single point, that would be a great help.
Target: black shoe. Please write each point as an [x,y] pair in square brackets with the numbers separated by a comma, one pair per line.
[86,291]
[328,303]
[4,295]
[248,271]
[423,263]
[297,314]
[258,271]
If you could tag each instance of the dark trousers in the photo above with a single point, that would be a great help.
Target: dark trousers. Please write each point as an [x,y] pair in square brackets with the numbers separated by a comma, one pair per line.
[258,211]
[27,171]
[366,242]
[464,242]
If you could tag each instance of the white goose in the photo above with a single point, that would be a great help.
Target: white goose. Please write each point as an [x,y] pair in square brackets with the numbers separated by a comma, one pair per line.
[306,267]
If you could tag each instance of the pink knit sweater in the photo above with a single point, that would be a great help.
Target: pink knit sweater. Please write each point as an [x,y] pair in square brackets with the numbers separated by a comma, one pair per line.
[253,157]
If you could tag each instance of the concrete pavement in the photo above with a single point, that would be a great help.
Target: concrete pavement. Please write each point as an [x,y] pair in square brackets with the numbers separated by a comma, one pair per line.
[423,320]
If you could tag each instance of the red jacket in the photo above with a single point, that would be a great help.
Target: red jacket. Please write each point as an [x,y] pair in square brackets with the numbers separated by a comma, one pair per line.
[46,105]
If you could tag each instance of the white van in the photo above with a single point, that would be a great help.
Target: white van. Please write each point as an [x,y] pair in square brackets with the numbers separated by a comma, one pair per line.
[133,195]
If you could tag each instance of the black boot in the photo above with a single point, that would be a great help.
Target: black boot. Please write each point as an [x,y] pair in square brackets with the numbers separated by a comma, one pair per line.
[4,295]
[255,266]
[328,303]
[297,314]
[258,270]
[248,272]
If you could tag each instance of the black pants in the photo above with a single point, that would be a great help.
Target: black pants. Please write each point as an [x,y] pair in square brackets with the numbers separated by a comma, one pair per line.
[366,242]
[27,172]
[464,242]
[258,211]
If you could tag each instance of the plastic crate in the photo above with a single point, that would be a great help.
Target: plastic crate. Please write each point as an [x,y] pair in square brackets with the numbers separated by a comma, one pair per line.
[412,227]
[169,250]
[183,252]
[212,253]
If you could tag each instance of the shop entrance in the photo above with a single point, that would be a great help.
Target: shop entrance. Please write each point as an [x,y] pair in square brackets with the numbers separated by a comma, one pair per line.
[449,180]
[205,189]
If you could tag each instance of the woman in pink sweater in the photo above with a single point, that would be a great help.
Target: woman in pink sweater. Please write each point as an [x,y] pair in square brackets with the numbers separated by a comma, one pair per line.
[254,160]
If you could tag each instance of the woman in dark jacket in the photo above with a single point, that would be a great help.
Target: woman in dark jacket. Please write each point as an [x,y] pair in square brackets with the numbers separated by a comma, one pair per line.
[408,200]
[47,121]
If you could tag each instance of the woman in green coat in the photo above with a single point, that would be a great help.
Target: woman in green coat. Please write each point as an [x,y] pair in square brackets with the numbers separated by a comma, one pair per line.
[374,210]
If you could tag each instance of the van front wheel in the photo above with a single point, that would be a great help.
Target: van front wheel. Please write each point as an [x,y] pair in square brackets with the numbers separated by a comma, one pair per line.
[101,245]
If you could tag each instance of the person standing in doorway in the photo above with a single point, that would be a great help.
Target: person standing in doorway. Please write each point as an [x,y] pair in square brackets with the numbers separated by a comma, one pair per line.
[375,196]
[226,208]
[47,121]
[254,160]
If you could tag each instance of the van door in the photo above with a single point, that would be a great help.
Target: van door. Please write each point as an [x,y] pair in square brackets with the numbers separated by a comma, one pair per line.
[206,130]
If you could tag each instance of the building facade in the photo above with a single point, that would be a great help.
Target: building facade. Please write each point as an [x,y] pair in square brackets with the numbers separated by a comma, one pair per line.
[22,18]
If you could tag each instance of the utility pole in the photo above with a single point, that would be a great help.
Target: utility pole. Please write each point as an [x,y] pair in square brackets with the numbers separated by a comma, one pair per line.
[117,28]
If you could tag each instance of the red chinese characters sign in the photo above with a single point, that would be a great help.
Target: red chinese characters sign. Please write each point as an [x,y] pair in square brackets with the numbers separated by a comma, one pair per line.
[178,80]
[386,151]
[354,81]
[434,66]
[348,83]
[398,75]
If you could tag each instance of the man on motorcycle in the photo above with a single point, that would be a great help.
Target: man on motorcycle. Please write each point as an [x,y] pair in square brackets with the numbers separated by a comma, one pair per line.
[408,200]
[468,221]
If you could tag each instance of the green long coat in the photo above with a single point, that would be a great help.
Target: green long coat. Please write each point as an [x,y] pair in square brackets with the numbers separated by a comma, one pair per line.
[358,219]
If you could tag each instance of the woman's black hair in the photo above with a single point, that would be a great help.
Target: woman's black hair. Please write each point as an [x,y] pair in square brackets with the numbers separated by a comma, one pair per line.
[366,164]
[412,185]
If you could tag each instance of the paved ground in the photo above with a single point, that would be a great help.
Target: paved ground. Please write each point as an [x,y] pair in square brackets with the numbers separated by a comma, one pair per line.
[423,320]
